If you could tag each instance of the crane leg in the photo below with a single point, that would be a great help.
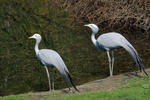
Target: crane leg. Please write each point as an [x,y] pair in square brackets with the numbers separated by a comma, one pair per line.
[109,60]
[53,75]
[48,78]
[112,62]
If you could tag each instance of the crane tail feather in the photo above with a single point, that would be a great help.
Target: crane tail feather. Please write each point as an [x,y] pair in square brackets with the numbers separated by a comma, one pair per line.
[67,81]
[134,55]
[72,83]
[138,59]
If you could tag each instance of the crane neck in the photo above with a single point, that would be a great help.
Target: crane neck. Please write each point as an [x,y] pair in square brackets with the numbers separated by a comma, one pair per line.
[94,39]
[37,46]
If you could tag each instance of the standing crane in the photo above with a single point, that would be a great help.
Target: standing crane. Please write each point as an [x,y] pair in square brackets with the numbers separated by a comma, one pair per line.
[49,57]
[112,40]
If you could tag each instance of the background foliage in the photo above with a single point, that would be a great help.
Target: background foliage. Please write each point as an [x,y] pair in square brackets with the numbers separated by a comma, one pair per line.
[60,22]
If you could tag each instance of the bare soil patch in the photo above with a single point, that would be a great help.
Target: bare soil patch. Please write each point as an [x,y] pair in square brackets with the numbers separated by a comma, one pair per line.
[107,84]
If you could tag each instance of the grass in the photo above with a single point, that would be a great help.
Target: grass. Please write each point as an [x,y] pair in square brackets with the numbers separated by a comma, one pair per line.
[138,89]
[14,97]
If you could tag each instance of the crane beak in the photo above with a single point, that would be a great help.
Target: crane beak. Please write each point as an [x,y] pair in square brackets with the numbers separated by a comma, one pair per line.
[30,37]
[86,25]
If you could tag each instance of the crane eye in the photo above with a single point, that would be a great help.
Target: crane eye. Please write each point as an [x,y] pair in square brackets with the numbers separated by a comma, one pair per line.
[92,26]
[35,35]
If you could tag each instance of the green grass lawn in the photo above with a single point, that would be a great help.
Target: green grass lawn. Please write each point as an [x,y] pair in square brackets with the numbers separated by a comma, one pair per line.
[138,89]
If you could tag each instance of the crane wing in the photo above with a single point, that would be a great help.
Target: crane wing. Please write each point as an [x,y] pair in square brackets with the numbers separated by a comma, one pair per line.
[51,57]
[110,40]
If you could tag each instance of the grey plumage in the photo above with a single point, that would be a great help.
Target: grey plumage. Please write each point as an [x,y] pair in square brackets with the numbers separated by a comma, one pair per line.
[113,40]
[51,58]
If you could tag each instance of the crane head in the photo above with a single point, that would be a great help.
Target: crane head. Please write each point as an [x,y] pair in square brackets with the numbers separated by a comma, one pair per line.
[36,36]
[93,27]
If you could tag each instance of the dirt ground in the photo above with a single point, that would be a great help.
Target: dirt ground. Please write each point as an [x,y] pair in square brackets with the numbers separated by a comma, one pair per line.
[107,84]
[110,83]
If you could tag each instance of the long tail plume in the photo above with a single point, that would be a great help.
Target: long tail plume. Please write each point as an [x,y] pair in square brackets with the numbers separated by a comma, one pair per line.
[134,55]
[72,82]
[69,80]
[138,60]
